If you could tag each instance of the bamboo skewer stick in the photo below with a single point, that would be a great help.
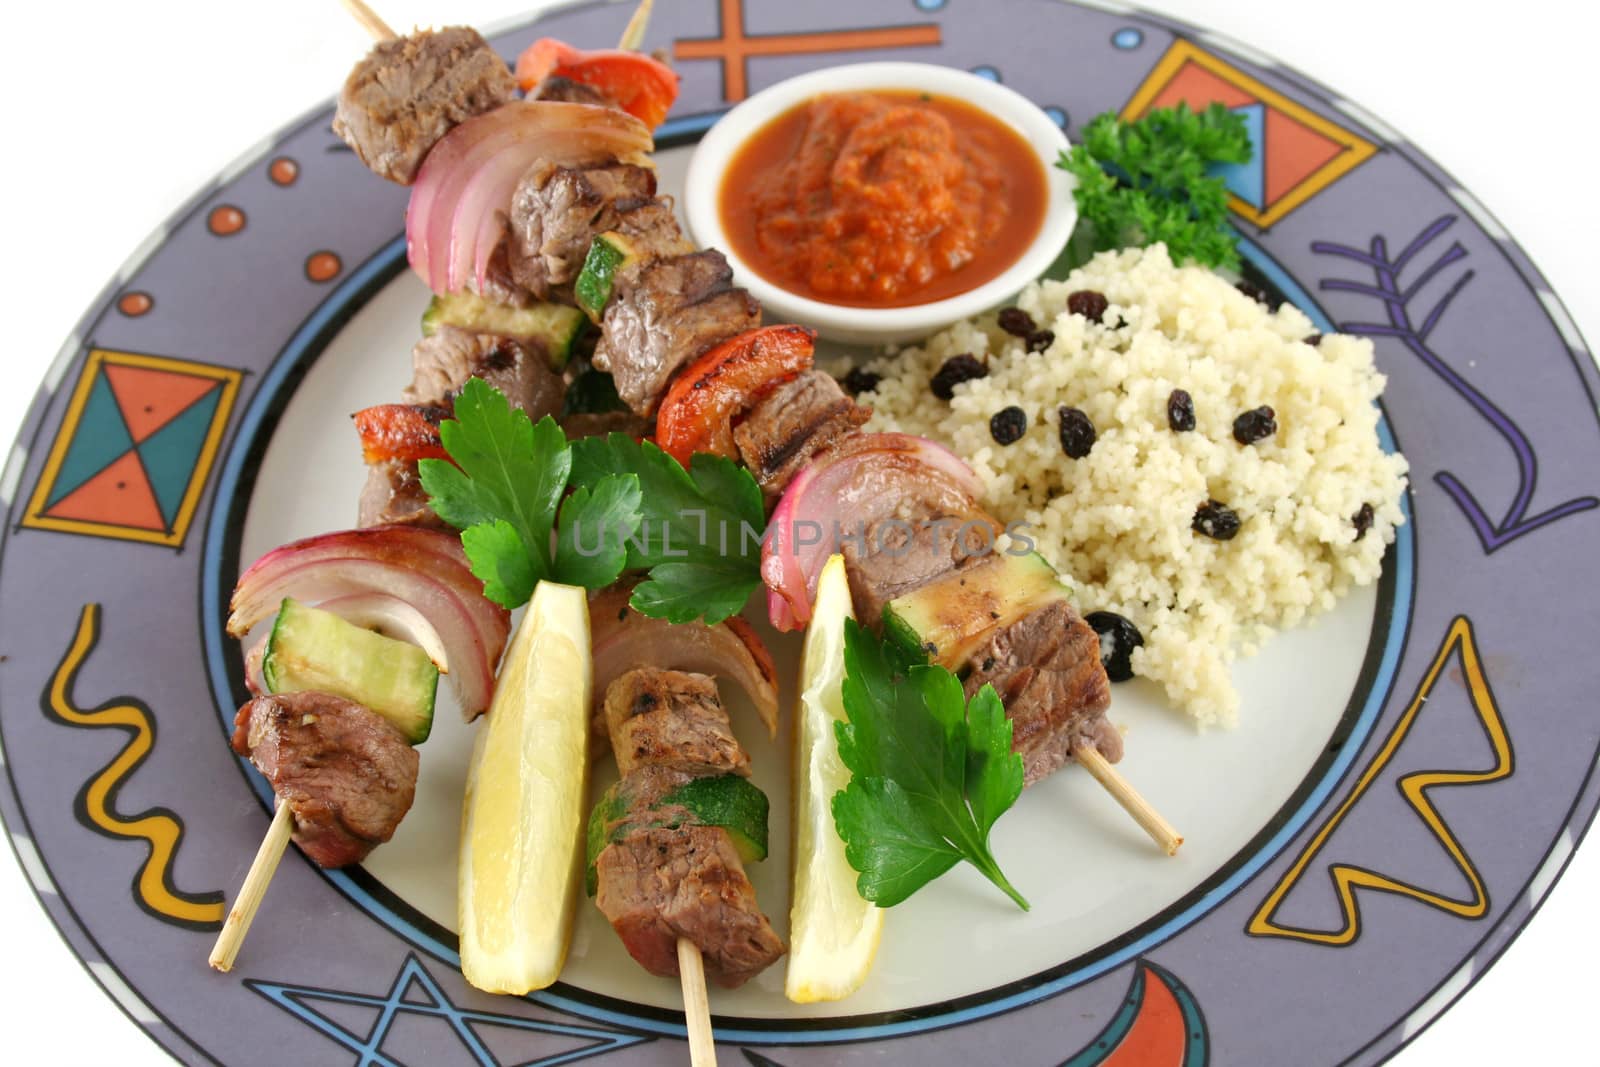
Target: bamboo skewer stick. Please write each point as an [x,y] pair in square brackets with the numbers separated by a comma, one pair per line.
[1148,818]
[370,20]
[696,1008]
[633,34]
[253,889]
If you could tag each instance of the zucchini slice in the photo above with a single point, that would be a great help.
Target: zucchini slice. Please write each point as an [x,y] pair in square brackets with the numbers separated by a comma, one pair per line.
[312,649]
[946,619]
[610,254]
[555,326]
[728,801]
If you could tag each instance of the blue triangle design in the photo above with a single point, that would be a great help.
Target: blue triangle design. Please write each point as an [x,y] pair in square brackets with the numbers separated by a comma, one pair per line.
[434,1005]
[170,454]
[1248,180]
[100,438]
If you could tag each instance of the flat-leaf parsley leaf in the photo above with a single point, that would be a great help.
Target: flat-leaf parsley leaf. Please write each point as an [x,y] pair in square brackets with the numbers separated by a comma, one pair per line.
[930,771]
[504,492]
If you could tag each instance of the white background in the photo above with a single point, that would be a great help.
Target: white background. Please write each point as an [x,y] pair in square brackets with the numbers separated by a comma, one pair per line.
[117,112]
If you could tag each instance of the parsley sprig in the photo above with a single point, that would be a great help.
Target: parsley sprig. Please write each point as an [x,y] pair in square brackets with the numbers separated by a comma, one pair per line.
[700,529]
[930,771]
[533,506]
[1152,180]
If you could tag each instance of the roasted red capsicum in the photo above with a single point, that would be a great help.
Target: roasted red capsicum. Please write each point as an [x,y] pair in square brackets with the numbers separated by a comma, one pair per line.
[405,432]
[697,414]
[641,85]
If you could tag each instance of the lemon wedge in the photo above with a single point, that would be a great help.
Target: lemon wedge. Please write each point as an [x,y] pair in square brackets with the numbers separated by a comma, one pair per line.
[521,860]
[833,932]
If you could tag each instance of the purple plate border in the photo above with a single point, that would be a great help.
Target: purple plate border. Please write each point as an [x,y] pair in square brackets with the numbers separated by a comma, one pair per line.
[130,833]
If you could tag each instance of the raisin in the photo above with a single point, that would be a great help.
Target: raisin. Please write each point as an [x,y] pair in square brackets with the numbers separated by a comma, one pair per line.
[1008,425]
[1118,639]
[1255,425]
[1088,303]
[1016,322]
[1180,411]
[860,381]
[1362,521]
[1039,340]
[1314,340]
[1077,433]
[956,369]
[1255,292]
[1216,521]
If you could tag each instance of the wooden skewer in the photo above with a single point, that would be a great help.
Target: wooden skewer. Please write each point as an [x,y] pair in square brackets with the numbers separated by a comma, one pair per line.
[1148,818]
[253,889]
[370,20]
[633,34]
[696,1008]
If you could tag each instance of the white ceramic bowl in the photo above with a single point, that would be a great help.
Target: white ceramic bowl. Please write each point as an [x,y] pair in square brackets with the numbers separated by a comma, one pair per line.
[859,325]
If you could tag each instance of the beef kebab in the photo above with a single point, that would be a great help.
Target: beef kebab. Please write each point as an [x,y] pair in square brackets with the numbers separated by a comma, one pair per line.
[683,346]
[670,933]
[664,309]
[341,692]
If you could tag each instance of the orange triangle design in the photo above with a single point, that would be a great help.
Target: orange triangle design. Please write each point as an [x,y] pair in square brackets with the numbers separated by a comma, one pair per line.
[120,495]
[149,399]
[1293,152]
[1192,84]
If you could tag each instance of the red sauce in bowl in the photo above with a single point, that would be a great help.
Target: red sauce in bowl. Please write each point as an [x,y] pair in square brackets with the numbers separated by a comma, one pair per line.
[882,199]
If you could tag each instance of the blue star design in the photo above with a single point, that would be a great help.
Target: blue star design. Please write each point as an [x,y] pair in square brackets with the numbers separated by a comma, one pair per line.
[368,1048]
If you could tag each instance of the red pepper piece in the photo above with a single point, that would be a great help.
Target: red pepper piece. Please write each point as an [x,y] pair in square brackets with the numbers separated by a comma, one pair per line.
[697,414]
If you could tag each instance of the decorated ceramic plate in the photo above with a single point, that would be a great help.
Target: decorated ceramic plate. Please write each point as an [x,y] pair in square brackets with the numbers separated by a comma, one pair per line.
[1408,777]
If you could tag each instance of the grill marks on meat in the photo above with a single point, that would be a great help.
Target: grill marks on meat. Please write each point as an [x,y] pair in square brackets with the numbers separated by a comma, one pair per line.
[557,211]
[346,774]
[792,423]
[1046,669]
[668,313]
[673,720]
[441,365]
[410,91]
[660,883]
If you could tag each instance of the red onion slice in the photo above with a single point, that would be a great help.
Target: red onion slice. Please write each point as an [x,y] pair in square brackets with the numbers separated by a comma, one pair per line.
[425,569]
[457,213]
[828,498]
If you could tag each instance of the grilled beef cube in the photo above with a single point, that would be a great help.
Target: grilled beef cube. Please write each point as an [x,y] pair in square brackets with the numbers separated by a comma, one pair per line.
[394,495]
[600,423]
[672,720]
[1046,669]
[652,232]
[670,312]
[499,283]
[410,91]
[557,211]
[659,884]
[442,363]
[346,774]
[905,552]
[791,424]
[566,91]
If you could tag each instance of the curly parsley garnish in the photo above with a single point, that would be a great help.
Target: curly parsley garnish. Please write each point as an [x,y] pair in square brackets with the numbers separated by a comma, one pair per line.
[533,506]
[931,771]
[1150,180]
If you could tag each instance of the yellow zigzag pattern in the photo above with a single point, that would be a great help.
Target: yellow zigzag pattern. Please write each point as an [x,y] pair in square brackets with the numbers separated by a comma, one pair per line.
[1348,879]
[96,802]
